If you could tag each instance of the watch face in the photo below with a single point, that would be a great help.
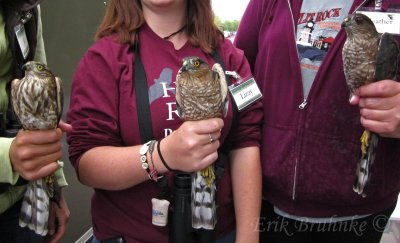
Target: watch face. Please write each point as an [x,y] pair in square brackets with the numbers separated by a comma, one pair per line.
[310,24]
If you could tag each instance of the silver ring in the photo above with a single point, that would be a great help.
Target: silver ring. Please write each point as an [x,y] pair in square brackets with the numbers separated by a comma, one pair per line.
[211,138]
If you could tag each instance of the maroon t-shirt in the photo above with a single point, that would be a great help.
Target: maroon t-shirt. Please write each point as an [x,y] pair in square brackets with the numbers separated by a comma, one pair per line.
[103,112]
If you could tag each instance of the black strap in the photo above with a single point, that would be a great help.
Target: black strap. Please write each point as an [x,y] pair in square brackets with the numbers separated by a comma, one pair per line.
[142,99]
[143,113]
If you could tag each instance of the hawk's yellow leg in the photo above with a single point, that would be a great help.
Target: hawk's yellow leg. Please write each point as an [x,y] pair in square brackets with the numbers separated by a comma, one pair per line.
[208,174]
[364,141]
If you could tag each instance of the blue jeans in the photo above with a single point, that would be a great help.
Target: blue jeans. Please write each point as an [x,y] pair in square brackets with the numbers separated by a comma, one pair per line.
[11,232]
[228,238]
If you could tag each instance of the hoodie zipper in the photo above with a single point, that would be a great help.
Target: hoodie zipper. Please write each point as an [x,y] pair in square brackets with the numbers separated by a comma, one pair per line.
[303,105]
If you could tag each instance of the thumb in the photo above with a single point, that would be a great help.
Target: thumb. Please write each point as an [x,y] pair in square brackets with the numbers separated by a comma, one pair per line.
[354,99]
[65,127]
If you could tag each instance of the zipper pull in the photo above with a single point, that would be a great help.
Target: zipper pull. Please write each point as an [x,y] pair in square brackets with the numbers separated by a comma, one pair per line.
[303,105]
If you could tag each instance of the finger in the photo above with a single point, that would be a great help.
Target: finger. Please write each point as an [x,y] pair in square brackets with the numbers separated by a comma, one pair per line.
[380,127]
[354,99]
[204,150]
[55,238]
[36,162]
[211,137]
[209,148]
[208,126]
[377,115]
[384,88]
[35,151]
[45,171]
[52,220]
[40,137]
[378,103]
[209,159]
[65,127]
[58,234]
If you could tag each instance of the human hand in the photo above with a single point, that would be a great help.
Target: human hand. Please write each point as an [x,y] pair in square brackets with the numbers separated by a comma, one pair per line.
[34,154]
[58,220]
[379,104]
[190,147]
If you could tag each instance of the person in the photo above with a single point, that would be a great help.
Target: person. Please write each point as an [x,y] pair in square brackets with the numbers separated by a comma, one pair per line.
[105,145]
[25,155]
[308,175]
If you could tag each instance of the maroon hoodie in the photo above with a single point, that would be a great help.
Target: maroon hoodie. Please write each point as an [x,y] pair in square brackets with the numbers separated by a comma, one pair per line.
[310,152]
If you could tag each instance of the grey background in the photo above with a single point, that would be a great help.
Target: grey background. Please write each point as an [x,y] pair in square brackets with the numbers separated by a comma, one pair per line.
[68,29]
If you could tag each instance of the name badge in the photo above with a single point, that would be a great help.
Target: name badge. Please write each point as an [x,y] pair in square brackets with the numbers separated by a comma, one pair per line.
[22,39]
[245,93]
[384,21]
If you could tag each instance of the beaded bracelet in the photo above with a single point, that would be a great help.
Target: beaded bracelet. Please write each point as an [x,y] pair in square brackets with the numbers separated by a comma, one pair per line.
[143,156]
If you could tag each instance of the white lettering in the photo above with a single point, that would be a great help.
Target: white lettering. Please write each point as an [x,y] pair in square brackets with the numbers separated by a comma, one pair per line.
[165,89]
[172,110]
[167,131]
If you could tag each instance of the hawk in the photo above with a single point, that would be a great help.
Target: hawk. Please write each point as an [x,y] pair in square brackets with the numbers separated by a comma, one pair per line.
[201,93]
[37,101]
[368,56]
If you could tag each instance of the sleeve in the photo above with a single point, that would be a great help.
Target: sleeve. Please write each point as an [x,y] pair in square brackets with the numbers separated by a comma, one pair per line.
[40,54]
[7,175]
[59,174]
[93,111]
[246,37]
[10,197]
[247,131]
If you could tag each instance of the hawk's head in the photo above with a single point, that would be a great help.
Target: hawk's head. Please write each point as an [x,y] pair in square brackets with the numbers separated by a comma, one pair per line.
[37,68]
[190,64]
[359,25]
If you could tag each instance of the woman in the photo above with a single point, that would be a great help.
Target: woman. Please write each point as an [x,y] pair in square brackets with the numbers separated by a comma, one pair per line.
[105,146]
[309,174]
[25,155]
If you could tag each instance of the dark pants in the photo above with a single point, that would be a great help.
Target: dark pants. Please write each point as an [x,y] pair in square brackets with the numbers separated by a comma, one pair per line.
[277,229]
[11,232]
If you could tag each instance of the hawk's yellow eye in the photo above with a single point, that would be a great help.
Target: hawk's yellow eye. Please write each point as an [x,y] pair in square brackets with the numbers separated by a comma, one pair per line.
[196,63]
[40,67]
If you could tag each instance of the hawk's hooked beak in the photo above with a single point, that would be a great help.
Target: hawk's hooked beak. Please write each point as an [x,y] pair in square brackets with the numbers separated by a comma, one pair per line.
[184,66]
[345,21]
[24,67]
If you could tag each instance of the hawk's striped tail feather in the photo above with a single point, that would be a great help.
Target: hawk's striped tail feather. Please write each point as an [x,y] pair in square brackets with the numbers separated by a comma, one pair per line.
[35,207]
[204,213]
